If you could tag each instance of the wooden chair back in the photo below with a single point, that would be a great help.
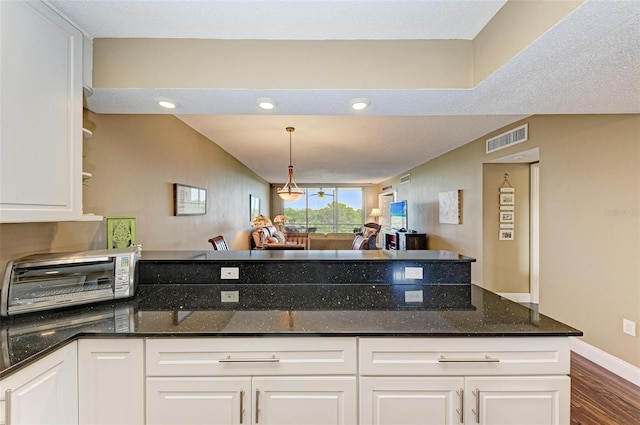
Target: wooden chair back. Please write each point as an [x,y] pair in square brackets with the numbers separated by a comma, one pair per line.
[219,244]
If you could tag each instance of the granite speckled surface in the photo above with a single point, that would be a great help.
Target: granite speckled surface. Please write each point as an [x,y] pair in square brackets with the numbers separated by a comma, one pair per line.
[329,266]
[275,310]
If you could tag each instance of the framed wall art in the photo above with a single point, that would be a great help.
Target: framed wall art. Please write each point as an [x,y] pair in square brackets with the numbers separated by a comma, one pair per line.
[450,207]
[507,210]
[506,216]
[506,235]
[189,200]
[507,199]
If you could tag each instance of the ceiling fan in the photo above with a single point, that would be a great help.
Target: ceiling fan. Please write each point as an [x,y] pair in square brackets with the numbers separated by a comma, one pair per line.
[321,194]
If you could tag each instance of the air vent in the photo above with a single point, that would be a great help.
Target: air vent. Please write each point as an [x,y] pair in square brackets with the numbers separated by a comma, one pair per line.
[405,179]
[511,137]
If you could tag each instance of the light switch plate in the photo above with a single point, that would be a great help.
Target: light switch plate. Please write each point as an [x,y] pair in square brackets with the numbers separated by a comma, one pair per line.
[229,273]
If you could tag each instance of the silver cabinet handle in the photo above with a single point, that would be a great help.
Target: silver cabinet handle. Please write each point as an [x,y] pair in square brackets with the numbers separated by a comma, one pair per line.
[461,410]
[7,407]
[485,359]
[241,406]
[477,410]
[257,405]
[271,359]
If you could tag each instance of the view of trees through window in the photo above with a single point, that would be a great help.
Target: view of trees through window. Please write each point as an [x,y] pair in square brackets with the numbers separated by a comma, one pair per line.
[326,210]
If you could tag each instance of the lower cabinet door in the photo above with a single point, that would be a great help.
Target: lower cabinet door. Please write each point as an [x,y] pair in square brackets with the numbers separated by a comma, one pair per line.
[411,401]
[305,400]
[195,401]
[523,400]
[44,393]
[111,381]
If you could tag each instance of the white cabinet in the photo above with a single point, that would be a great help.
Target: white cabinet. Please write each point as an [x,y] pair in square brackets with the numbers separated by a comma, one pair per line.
[464,380]
[41,103]
[305,400]
[411,400]
[111,381]
[44,393]
[523,400]
[243,400]
[199,400]
[252,381]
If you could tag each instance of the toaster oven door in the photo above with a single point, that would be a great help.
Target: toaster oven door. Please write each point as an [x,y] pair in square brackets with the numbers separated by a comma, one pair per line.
[43,287]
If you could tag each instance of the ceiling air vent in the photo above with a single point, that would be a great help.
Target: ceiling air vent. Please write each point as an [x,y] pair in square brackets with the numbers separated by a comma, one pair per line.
[405,179]
[511,137]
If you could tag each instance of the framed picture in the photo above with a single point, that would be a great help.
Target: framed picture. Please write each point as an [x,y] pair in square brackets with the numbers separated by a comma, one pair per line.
[507,198]
[506,216]
[450,207]
[506,234]
[189,200]
[254,207]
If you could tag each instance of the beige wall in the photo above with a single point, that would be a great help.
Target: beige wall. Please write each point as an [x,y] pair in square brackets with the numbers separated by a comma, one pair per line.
[135,159]
[589,219]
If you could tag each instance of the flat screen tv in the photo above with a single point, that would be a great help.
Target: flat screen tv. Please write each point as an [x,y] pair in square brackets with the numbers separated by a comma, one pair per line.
[398,215]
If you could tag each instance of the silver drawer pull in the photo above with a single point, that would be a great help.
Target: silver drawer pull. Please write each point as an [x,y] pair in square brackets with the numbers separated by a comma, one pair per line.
[485,359]
[271,359]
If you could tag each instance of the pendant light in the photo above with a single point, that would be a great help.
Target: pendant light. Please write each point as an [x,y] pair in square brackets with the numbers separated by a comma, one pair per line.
[290,191]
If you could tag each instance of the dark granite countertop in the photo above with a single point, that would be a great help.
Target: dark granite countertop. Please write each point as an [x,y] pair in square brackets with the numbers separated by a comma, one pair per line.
[277,310]
[306,255]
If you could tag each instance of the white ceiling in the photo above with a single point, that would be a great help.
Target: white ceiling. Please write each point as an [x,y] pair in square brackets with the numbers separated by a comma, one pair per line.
[587,63]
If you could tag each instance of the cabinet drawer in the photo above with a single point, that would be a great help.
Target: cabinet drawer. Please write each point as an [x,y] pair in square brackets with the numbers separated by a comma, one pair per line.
[250,356]
[464,356]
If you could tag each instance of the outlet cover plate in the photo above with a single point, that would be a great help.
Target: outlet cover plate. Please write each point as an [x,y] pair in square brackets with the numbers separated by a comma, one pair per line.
[229,273]
[413,273]
[230,296]
[629,327]
[413,296]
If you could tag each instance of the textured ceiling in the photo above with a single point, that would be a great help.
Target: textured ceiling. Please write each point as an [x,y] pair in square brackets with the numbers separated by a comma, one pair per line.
[587,63]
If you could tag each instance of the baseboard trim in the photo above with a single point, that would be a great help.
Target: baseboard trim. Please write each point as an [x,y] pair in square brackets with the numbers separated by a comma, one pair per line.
[517,297]
[602,358]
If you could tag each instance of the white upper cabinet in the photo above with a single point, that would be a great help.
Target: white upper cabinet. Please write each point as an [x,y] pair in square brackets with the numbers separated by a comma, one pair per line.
[41,71]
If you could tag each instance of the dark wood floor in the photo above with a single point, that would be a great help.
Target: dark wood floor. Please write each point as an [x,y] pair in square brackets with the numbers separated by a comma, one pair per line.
[599,397]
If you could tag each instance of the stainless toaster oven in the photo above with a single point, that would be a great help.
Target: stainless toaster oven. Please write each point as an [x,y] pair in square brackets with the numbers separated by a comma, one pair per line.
[46,281]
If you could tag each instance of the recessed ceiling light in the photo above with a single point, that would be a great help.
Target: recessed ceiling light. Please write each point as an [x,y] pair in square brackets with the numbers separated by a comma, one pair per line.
[166,103]
[266,103]
[359,104]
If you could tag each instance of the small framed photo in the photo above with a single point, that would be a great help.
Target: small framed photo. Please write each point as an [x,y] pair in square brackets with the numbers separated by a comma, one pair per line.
[189,200]
[507,199]
[506,216]
[506,234]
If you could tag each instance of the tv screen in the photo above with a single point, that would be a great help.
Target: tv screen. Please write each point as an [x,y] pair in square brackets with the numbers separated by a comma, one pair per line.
[398,215]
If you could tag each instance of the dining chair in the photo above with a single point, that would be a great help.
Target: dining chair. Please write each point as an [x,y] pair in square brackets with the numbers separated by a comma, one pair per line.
[219,244]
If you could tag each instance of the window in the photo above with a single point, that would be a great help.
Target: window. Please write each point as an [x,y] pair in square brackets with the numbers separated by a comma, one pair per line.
[326,210]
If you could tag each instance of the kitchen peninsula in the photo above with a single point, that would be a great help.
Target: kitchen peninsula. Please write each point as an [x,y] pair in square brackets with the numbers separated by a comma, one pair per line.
[397,328]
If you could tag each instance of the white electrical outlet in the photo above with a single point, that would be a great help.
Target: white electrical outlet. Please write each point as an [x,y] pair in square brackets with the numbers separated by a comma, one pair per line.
[230,296]
[629,327]
[413,272]
[413,296]
[229,273]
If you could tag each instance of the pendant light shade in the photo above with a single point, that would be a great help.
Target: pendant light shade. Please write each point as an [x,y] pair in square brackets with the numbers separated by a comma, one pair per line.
[290,191]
